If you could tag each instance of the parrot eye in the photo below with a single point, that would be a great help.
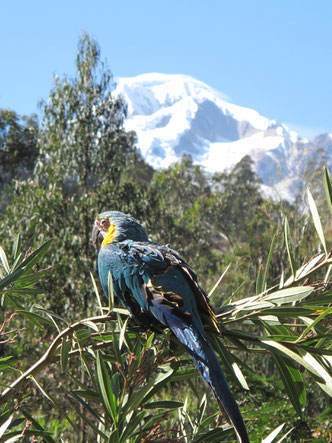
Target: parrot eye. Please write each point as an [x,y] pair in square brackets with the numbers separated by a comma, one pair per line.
[105,224]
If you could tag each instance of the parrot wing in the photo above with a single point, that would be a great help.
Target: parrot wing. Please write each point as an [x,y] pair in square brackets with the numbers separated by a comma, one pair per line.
[154,279]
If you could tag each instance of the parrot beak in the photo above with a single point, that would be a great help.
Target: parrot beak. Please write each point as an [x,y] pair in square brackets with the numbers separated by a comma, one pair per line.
[96,236]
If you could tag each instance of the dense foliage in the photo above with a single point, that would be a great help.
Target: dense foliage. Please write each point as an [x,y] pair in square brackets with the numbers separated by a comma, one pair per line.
[99,374]
[18,150]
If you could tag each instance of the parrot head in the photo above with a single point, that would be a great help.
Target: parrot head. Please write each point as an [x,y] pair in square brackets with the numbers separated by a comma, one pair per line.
[114,226]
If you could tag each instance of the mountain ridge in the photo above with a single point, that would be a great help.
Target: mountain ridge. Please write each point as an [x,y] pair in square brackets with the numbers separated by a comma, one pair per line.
[174,114]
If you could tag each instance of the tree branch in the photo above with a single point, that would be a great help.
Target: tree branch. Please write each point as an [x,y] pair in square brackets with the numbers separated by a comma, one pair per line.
[48,356]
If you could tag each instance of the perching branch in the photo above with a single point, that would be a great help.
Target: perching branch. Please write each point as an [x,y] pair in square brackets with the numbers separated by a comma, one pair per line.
[48,356]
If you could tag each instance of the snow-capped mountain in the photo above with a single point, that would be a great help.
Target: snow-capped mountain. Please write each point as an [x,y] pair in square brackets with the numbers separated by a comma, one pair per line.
[177,114]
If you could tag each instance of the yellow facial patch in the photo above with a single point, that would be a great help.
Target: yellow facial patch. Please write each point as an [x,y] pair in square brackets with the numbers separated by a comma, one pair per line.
[109,236]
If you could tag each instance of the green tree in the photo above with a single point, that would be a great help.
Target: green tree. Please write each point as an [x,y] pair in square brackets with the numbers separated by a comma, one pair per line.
[82,136]
[84,151]
[237,199]
[18,149]
[179,197]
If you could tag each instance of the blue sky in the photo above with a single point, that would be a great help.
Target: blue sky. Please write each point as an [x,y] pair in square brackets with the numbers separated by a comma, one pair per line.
[272,56]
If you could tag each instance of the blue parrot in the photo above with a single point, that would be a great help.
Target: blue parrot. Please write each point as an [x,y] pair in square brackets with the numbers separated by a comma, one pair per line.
[157,286]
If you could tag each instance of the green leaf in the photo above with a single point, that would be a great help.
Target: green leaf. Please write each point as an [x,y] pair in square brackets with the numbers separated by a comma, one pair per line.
[122,333]
[142,395]
[82,335]
[4,260]
[306,360]
[65,348]
[104,383]
[319,368]
[315,322]
[26,291]
[201,411]
[36,256]
[51,314]
[289,295]
[5,425]
[285,435]
[185,374]
[54,402]
[86,419]
[87,393]
[273,434]
[164,404]
[44,433]
[17,247]
[10,278]
[215,435]
[328,187]
[239,375]
[206,422]
[290,311]
[292,381]
[95,287]
[259,281]
[149,341]
[316,219]
[36,319]
[268,262]
[90,325]
[289,247]
[229,363]
[134,422]
[219,280]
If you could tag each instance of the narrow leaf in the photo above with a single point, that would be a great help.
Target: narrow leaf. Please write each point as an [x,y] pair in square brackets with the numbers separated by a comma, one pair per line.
[259,281]
[285,435]
[10,278]
[316,219]
[328,187]
[85,418]
[149,341]
[273,434]
[229,363]
[289,295]
[219,280]
[4,260]
[36,256]
[268,262]
[290,386]
[16,247]
[315,368]
[122,333]
[239,375]
[164,404]
[289,247]
[95,287]
[47,438]
[315,322]
[104,383]
[215,435]
[65,348]
[36,319]
[5,425]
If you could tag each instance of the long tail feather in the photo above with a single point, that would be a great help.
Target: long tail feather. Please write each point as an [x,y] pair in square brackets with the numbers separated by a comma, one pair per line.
[208,365]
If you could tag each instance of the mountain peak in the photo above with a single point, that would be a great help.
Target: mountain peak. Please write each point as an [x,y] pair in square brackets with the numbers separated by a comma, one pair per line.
[176,114]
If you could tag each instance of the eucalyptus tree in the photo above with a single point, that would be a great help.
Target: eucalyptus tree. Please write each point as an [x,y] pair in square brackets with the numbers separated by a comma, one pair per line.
[84,151]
